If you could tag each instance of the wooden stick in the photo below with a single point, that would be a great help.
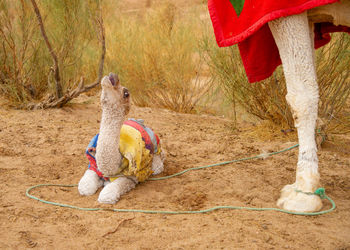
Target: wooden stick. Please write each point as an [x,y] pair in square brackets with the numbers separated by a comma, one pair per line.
[59,92]
[115,230]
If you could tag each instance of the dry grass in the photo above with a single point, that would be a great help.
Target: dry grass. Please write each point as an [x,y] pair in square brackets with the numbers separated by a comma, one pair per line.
[269,131]
[25,63]
[157,57]
[334,81]
[266,99]
[152,47]
[20,51]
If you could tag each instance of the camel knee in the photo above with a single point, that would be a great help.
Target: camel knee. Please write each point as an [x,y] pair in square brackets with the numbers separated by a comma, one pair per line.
[304,105]
[292,36]
[89,183]
[111,193]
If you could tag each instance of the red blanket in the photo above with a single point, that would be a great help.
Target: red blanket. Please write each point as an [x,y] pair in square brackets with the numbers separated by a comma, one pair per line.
[245,22]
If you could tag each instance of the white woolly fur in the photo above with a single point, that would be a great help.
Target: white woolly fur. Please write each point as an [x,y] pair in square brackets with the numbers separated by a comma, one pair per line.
[115,106]
[294,38]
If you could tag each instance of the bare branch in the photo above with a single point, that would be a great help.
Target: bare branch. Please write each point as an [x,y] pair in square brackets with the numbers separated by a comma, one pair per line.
[50,102]
[59,92]
[116,229]
[103,50]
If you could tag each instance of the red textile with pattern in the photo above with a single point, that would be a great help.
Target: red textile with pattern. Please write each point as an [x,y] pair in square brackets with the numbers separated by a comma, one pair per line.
[250,30]
[93,165]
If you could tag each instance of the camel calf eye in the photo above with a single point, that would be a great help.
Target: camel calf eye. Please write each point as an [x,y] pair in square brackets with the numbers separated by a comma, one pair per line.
[126,93]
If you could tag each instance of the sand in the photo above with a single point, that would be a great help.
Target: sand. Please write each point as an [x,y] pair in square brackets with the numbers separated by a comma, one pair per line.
[48,147]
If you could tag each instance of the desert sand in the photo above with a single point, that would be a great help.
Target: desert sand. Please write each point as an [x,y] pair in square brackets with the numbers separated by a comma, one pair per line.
[47,146]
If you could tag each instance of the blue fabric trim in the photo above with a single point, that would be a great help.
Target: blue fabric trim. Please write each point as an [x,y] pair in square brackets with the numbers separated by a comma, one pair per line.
[92,144]
[153,138]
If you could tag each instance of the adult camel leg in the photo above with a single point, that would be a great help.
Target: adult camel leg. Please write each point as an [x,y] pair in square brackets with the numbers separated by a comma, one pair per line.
[296,50]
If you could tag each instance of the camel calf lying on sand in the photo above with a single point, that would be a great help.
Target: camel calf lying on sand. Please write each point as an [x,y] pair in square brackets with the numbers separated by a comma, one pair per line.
[126,152]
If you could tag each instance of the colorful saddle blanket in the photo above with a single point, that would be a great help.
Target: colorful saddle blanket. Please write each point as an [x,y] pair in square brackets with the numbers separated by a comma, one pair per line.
[137,144]
[245,22]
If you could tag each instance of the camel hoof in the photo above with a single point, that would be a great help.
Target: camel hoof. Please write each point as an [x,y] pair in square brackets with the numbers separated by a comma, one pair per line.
[298,202]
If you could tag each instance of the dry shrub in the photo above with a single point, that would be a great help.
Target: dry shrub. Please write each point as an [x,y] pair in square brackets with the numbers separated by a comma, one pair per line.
[22,54]
[154,50]
[157,57]
[25,63]
[333,70]
[266,99]
[268,131]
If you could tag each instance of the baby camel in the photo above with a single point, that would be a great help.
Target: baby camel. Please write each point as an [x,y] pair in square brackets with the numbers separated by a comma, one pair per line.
[123,153]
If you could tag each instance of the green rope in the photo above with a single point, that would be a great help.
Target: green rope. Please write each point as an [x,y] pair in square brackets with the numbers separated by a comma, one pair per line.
[320,192]
[223,163]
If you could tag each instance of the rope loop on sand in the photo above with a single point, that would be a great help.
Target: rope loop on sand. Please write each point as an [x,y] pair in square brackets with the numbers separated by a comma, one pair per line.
[320,192]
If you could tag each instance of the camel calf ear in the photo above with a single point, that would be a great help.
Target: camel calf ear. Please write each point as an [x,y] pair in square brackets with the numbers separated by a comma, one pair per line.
[114,79]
